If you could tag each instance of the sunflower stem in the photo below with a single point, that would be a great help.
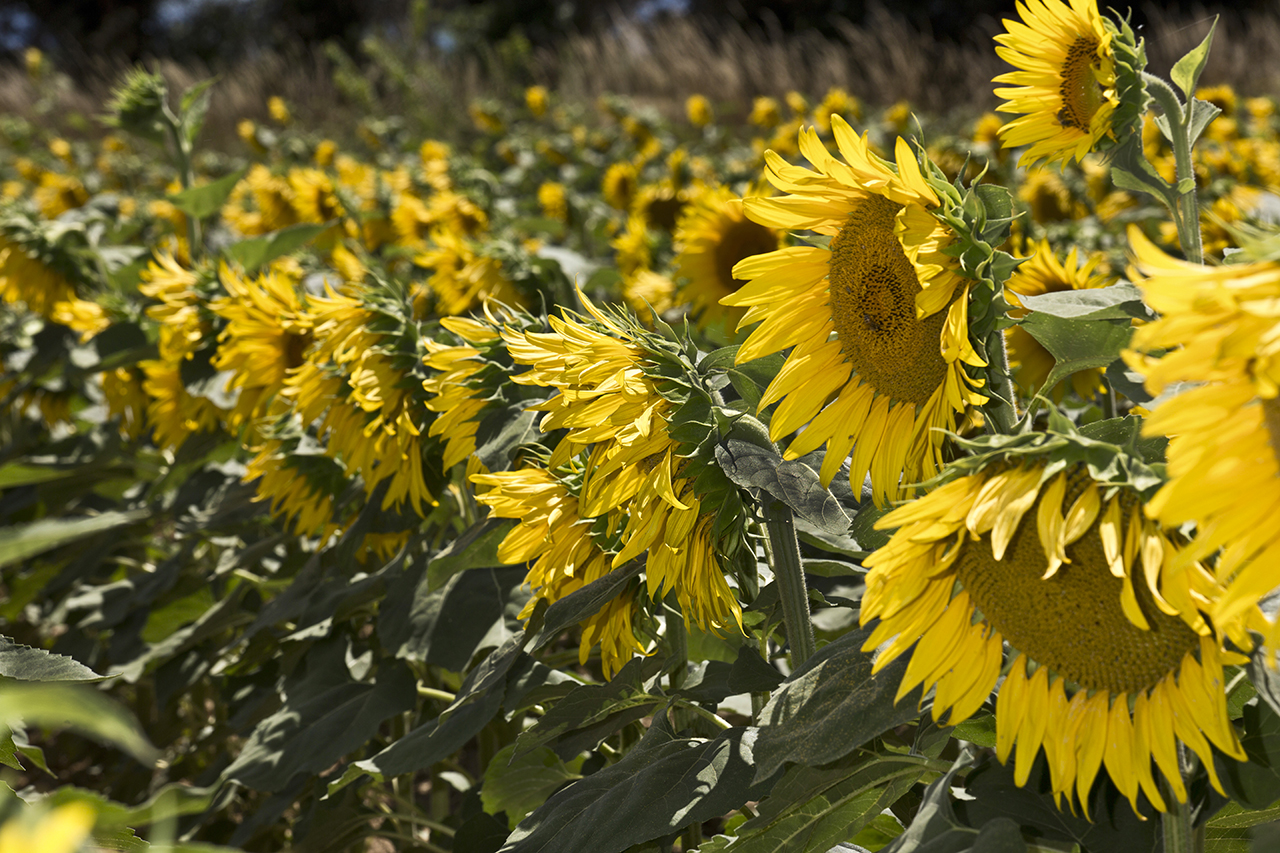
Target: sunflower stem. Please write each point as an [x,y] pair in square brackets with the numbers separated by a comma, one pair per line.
[1187,214]
[1001,411]
[784,555]
[1180,833]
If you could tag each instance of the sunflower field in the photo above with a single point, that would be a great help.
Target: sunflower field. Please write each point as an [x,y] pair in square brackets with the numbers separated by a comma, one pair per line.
[822,478]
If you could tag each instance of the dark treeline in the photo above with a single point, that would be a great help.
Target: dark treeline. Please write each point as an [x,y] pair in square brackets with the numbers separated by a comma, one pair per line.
[80,34]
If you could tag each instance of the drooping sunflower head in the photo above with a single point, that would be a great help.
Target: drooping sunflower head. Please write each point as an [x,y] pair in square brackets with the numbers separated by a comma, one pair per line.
[1077,86]
[555,538]
[1218,330]
[1113,663]
[712,236]
[877,321]
[1028,359]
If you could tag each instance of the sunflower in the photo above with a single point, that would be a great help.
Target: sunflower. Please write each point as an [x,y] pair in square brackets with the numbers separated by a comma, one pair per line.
[458,404]
[1065,85]
[553,535]
[462,277]
[267,332]
[25,278]
[1220,330]
[1030,361]
[1113,663]
[892,378]
[713,234]
[607,403]
[619,185]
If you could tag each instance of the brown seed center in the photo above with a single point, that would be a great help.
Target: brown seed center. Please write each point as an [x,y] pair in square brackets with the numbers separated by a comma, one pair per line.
[873,287]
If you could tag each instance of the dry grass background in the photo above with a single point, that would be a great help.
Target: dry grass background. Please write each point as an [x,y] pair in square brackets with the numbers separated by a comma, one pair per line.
[881,62]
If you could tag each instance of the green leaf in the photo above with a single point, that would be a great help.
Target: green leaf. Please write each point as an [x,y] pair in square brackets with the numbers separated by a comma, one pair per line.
[816,809]
[1236,816]
[752,674]
[1202,113]
[1114,827]
[1116,302]
[258,251]
[751,378]
[312,732]
[476,703]
[1255,783]
[445,627]
[78,707]
[1078,344]
[27,664]
[476,548]
[586,601]
[594,711]
[19,542]
[1186,71]
[790,481]
[662,784]
[517,786]
[979,730]
[193,108]
[831,706]
[203,201]
[21,474]
[718,360]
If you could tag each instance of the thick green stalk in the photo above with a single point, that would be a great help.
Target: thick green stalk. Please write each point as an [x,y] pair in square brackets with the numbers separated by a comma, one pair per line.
[784,555]
[1187,214]
[1001,411]
[1180,836]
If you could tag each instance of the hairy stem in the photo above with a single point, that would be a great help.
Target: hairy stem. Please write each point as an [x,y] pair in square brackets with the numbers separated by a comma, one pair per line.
[1187,214]
[784,553]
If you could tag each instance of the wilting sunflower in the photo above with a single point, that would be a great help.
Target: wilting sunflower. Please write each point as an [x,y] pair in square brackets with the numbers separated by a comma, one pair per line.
[458,404]
[1065,85]
[1219,329]
[1029,360]
[608,404]
[463,278]
[554,536]
[1113,663]
[712,235]
[268,329]
[892,377]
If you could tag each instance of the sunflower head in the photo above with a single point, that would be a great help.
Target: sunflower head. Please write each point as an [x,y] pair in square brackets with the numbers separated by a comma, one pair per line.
[1039,545]
[887,315]
[1217,333]
[1078,84]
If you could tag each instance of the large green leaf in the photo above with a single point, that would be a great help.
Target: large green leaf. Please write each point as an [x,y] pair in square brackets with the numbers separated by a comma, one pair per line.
[1112,827]
[815,809]
[586,601]
[662,784]
[476,548]
[476,703]
[207,199]
[311,732]
[831,706]
[19,542]
[257,251]
[1186,71]
[593,711]
[1117,302]
[78,707]
[445,627]
[790,481]
[517,786]
[27,664]
[1078,344]
[1255,783]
